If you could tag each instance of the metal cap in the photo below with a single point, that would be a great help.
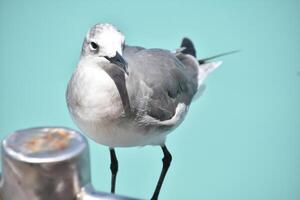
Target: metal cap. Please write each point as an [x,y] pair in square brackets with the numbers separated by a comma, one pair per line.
[43,164]
[44,145]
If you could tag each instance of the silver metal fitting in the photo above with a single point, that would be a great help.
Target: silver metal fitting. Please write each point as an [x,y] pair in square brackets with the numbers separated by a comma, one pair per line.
[47,164]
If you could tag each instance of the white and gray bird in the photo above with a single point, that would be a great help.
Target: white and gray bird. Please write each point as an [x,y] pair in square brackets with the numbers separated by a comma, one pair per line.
[124,96]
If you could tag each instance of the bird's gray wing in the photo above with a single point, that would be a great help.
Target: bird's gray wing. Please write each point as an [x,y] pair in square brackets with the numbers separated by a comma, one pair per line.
[158,82]
[131,50]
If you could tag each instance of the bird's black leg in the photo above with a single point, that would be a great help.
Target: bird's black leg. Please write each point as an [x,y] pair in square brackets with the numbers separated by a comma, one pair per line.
[113,168]
[166,164]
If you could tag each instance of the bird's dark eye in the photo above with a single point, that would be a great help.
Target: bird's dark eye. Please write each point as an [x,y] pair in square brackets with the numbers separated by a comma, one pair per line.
[94,46]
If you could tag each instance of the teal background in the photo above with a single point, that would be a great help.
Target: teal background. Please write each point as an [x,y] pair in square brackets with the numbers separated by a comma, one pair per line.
[241,140]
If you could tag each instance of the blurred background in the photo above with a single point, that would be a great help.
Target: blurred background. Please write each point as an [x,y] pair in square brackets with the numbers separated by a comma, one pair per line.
[241,140]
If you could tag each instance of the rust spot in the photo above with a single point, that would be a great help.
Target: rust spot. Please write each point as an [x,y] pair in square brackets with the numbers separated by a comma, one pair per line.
[55,139]
[62,133]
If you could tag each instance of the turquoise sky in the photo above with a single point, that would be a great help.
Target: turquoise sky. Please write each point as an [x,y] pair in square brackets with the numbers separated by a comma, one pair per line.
[240,141]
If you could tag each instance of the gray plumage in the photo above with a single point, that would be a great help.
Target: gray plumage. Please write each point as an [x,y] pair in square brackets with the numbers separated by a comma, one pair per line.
[171,81]
[154,96]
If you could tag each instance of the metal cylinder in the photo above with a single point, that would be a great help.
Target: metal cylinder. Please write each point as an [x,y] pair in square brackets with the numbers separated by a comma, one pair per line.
[44,164]
[48,164]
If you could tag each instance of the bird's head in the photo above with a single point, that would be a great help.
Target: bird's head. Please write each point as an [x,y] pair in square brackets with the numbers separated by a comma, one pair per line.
[104,43]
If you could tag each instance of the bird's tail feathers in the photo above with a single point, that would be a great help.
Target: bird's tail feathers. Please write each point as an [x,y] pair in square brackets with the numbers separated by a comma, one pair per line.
[205,69]
[205,65]
[208,67]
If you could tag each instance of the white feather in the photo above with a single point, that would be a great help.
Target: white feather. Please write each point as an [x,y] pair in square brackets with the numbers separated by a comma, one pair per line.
[205,69]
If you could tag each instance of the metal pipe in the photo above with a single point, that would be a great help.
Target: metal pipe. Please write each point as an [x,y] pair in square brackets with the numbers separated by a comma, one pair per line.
[47,163]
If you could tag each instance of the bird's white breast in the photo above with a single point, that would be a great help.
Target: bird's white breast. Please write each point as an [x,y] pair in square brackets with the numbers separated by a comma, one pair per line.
[92,95]
[96,107]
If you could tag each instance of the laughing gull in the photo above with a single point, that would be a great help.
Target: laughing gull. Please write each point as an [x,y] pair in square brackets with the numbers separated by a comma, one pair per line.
[125,96]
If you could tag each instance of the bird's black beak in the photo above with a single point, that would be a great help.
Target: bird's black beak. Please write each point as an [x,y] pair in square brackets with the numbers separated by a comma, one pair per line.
[119,61]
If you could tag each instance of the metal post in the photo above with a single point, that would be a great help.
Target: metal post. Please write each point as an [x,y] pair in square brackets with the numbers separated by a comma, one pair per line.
[47,164]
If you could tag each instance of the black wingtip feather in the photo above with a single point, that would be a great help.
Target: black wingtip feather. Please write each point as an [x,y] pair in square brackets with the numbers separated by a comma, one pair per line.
[189,47]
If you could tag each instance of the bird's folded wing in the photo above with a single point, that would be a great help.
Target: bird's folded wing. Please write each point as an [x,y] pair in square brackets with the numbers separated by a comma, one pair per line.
[166,90]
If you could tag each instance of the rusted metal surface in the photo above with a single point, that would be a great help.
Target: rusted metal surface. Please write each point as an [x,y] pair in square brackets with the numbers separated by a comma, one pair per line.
[55,139]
